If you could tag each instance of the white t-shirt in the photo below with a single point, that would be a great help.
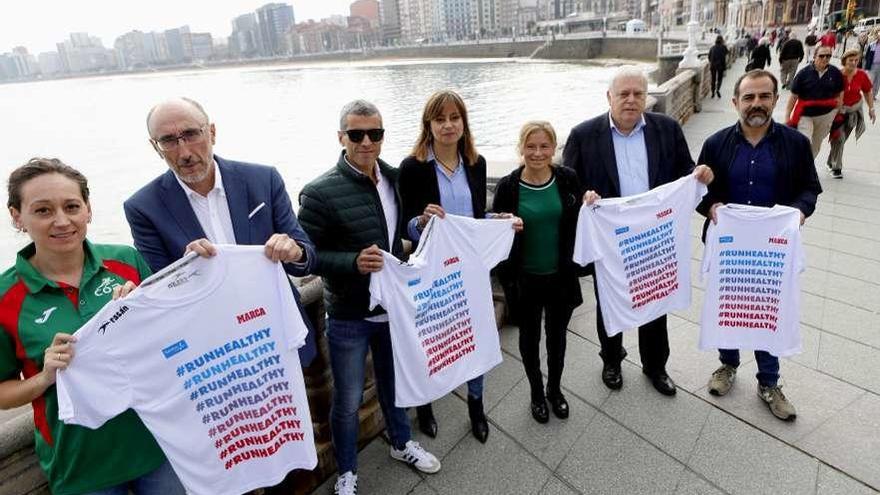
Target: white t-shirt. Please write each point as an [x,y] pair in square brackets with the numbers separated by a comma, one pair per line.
[205,352]
[641,246]
[752,263]
[442,319]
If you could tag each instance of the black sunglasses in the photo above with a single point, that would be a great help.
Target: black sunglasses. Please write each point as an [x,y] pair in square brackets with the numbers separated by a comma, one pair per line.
[824,55]
[357,135]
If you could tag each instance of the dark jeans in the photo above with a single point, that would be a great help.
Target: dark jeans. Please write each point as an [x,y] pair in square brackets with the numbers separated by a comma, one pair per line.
[653,342]
[542,294]
[349,341]
[768,365]
[717,76]
[161,481]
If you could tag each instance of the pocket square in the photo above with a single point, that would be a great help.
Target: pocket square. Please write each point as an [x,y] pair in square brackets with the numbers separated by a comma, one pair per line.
[255,210]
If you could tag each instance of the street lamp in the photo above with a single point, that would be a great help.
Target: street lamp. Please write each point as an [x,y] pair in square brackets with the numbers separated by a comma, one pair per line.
[733,10]
[763,14]
[691,58]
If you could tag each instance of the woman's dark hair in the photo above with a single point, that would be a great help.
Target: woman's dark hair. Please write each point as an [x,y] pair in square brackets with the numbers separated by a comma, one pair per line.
[719,40]
[433,108]
[36,167]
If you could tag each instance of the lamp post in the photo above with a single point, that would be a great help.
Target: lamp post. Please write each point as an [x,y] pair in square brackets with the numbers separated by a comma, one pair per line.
[690,54]
[733,11]
[763,14]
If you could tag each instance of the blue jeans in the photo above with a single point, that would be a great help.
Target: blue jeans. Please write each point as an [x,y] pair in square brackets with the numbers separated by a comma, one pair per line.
[768,365]
[475,387]
[349,341]
[161,481]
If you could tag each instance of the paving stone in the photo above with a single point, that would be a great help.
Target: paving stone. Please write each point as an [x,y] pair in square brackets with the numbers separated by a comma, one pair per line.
[740,459]
[853,323]
[608,459]
[555,486]
[583,371]
[672,424]
[548,442]
[453,424]
[856,228]
[850,440]
[833,482]
[807,389]
[809,356]
[498,382]
[812,309]
[692,484]
[378,472]
[850,361]
[854,292]
[855,267]
[499,466]
[422,489]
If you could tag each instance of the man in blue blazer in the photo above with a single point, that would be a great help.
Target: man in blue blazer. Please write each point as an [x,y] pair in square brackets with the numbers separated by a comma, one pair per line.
[624,152]
[204,199]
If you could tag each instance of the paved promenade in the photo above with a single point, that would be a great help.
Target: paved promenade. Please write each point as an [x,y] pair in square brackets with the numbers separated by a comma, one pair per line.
[636,441]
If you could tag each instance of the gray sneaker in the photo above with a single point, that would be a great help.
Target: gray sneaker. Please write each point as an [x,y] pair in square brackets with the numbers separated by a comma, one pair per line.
[722,379]
[776,401]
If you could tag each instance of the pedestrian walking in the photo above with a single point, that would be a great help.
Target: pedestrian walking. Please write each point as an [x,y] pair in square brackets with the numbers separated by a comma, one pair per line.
[857,93]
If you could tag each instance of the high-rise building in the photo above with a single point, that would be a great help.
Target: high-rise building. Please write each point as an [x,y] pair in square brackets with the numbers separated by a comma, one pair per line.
[367,9]
[179,41]
[245,40]
[275,20]
[484,17]
[50,63]
[459,22]
[84,53]
[202,46]
[389,19]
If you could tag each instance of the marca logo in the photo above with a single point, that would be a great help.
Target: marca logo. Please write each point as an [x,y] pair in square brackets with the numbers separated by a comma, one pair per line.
[106,287]
[664,213]
[778,240]
[180,279]
[250,315]
[46,315]
[451,261]
[113,319]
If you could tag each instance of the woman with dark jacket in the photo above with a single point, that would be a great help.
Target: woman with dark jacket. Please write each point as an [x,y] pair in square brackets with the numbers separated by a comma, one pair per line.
[717,64]
[540,264]
[445,174]
[760,56]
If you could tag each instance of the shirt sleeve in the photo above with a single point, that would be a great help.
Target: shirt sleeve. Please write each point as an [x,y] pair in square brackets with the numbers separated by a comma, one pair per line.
[709,249]
[586,249]
[295,329]
[865,82]
[95,387]
[492,239]
[376,295]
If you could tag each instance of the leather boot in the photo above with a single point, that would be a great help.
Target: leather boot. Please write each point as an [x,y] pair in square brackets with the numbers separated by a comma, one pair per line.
[479,425]
[427,423]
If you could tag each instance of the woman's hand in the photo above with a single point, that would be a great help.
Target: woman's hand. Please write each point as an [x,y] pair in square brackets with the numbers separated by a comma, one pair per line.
[591,197]
[430,211]
[517,221]
[872,115]
[123,290]
[56,357]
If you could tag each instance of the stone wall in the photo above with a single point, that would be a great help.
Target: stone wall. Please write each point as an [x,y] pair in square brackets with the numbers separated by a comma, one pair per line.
[681,96]
[609,47]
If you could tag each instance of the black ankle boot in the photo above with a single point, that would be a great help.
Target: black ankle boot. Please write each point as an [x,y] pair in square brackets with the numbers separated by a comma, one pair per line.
[427,423]
[479,425]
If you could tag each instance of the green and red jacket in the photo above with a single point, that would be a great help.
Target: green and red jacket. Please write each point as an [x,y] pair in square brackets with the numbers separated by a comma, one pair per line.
[32,310]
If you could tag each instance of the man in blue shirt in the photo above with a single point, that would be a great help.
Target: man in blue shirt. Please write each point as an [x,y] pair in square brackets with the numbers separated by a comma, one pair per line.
[762,163]
[620,153]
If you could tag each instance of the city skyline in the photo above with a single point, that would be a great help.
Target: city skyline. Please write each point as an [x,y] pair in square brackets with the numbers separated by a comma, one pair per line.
[108,20]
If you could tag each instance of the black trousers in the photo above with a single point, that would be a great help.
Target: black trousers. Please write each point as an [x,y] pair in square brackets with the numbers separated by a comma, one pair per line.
[653,341]
[717,76]
[543,294]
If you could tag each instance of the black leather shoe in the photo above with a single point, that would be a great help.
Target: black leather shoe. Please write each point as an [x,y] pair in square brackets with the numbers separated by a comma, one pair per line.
[558,405]
[427,423]
[479,425]
[540,412]
[662,383]
[611,376]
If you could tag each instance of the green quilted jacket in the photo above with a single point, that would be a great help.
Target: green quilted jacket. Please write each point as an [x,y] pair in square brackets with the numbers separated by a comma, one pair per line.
[342,213]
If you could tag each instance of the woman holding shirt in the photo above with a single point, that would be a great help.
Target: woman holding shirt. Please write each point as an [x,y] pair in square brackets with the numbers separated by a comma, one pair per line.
[540,265]
[59,281]
[445,174]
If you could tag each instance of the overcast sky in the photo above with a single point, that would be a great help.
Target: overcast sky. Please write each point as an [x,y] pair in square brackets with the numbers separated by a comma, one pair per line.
[39,24]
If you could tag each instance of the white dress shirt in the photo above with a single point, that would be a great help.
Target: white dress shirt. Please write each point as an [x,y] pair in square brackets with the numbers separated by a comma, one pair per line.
[212,210]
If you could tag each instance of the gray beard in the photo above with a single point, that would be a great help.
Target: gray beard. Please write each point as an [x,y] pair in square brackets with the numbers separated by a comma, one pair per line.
[756,120]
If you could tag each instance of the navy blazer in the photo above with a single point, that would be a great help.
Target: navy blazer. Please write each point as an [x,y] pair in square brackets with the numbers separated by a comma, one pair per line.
[162,221]
[590,152]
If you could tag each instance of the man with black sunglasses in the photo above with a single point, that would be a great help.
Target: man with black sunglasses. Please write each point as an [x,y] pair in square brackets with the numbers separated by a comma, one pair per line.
[816,95]
[352,212]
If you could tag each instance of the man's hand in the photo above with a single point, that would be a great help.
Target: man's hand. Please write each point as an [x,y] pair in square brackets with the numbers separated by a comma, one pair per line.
[280,247]
[803,218]
[591,197]
[704,174]
[370,260]
[712,214]
[430,211]
[202,247]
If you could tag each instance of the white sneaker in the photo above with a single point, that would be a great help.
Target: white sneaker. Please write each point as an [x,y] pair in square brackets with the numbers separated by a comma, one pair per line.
[346,484]
[414,455]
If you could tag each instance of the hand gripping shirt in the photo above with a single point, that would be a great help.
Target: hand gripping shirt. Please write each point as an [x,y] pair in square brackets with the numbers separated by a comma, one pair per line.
[752,262]
[32,310]
[205,352]
[641,245]
[439,303]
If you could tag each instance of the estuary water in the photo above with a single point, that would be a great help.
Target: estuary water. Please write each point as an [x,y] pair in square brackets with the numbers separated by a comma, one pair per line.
[282,115]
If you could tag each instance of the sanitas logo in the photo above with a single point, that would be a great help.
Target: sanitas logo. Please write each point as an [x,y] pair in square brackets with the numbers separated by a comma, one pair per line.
[113,319]
[46,315]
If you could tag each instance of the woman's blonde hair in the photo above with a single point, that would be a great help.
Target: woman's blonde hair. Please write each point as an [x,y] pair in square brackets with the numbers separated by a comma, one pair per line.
[433,108]
[852,52]
[532,127]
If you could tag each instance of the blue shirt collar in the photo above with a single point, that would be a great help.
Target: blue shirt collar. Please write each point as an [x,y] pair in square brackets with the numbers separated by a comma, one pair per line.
[637,128]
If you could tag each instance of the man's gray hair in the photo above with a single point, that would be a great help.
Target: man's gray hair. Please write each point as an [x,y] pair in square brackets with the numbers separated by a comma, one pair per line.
[362,108]
[192,102]
[628,71]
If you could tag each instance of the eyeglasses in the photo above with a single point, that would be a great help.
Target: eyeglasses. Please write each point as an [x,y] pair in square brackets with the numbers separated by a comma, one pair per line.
[357,135]
[824,55]
[188,136]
